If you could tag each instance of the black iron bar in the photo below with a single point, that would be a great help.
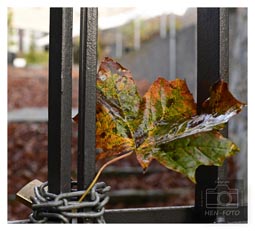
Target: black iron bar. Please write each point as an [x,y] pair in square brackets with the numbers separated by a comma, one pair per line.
[60,100]
[212,64]
[87,97]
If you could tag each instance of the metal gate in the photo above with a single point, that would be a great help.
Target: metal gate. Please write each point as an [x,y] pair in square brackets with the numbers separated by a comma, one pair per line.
[212,63]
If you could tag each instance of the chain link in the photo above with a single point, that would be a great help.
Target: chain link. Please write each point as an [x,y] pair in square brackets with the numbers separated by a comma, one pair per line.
[65,208]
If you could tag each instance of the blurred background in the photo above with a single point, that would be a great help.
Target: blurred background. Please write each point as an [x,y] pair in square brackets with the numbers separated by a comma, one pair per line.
[150,43]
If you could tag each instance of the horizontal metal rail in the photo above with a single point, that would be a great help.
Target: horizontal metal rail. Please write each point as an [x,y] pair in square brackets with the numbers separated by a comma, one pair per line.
[178,214]
[175,214]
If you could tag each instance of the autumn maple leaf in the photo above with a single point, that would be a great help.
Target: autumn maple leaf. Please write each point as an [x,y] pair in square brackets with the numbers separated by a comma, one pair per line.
[163,124]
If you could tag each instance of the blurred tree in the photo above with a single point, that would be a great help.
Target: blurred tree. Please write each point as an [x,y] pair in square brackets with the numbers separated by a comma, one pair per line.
[10,28]
[35,56]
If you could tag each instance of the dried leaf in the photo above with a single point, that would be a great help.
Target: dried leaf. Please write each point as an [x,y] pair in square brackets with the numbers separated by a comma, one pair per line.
[186,154]
[112,135]
[166,103]
[221,101]
[185,125]
[118,104]
[163,125]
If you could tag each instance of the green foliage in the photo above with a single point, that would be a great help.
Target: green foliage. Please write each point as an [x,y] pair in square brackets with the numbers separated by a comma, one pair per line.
[10,28]
[37,57]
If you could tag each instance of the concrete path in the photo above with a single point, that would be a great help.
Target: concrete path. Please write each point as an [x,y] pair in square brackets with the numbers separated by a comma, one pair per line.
[32,114]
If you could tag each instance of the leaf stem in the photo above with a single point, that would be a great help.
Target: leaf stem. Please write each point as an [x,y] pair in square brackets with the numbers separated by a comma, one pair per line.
[128,153]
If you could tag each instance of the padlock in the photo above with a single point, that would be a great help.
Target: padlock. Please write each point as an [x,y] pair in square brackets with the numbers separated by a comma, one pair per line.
[24,195]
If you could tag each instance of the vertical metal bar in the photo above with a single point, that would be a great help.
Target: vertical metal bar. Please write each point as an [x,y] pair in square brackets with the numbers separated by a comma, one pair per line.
[60,100]
[224,62]
[172,47]
[21,40]
[137,33]
[163,26]
[224,74]
[208,53]
[118,43]
[87,97]
[212,64]
[224,44]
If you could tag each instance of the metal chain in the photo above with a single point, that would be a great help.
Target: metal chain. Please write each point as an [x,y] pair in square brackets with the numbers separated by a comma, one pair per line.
[65,208]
